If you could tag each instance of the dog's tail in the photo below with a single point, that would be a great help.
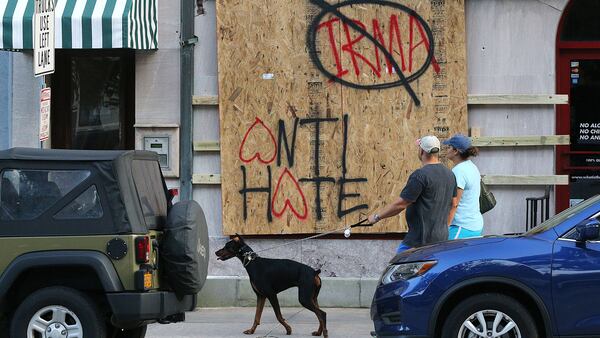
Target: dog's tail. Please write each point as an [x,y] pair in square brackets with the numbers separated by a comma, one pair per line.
[318,271]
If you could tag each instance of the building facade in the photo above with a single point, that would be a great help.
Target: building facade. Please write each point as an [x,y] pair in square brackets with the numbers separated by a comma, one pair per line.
[107,96]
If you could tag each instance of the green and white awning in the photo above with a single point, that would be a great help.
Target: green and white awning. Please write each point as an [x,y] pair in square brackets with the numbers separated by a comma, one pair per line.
[83,24]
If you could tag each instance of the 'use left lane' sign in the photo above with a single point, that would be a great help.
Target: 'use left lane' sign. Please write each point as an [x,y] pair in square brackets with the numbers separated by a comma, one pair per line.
[43,38]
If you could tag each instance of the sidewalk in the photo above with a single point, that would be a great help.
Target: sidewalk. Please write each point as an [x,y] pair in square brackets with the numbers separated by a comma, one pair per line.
[231,322]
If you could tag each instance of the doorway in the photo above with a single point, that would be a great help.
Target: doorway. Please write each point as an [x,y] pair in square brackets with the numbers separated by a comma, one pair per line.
[578,75]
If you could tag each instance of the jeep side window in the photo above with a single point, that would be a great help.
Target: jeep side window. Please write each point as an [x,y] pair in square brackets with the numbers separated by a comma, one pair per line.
[85,206]
[149,185]
[8,199]
[27,194]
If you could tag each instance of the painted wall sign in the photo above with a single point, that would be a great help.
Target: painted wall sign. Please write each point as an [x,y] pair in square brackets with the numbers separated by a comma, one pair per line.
[350,85]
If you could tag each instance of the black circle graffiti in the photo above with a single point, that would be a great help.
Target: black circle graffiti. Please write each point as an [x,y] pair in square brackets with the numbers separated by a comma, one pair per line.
[327,8]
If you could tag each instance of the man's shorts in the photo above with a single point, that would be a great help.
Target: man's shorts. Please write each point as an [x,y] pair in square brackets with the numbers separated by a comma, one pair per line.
[456,232]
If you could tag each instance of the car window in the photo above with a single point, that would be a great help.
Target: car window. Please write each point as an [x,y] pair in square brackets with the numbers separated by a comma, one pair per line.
[27,194]
[563,216]
[85,206]
[151,192]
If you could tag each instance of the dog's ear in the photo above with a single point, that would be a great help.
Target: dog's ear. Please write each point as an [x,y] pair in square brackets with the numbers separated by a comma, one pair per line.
[237,238]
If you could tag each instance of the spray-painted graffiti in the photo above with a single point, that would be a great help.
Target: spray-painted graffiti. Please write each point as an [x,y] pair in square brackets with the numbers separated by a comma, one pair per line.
[288,195]
[415,29]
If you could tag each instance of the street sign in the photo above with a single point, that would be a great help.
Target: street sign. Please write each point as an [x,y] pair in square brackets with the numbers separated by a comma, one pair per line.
[45,95]
[43,38]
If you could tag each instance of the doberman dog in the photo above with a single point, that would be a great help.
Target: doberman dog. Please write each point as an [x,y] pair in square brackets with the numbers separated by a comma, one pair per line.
[269,277]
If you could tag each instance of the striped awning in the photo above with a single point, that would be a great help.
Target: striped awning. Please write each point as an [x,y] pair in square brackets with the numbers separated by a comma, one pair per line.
[83,24]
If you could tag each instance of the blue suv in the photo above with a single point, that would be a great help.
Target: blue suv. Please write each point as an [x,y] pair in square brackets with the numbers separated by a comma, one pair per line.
[544,283]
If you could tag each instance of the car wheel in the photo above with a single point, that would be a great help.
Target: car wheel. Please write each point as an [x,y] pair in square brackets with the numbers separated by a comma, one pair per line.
[57,312]
[489,315]
[138,332]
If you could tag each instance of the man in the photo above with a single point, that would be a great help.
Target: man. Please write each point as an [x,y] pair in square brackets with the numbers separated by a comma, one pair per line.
[427,198]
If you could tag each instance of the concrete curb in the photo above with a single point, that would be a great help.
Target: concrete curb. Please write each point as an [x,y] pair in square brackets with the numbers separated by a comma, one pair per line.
[233,291]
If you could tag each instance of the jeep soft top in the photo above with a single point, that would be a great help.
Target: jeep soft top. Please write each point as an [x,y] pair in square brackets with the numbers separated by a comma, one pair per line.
[129,181]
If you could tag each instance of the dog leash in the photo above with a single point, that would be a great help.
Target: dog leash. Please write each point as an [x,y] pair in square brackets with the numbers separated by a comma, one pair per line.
[346,230]
[268,334]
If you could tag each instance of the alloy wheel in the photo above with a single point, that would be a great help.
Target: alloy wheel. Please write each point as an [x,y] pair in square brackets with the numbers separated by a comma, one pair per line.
[54,321]
[489,324]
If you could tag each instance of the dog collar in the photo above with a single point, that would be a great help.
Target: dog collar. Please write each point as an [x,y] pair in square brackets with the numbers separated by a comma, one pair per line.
[249,257]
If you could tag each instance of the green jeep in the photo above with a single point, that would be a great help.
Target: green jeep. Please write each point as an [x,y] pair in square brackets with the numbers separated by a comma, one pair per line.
[91,245]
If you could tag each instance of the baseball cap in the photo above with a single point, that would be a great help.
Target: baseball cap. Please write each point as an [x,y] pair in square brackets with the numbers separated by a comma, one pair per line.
[459,142]
[430,144]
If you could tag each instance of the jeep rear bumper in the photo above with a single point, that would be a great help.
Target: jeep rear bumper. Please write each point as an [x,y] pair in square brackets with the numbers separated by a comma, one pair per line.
[131,308]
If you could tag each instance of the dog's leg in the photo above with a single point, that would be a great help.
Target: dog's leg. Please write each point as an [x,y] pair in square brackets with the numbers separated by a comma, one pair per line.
[307,295]
[260,305]
[323,313]
[275,304]
[323,325]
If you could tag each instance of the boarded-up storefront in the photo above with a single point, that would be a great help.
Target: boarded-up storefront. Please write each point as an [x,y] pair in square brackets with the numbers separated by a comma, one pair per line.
[321,103]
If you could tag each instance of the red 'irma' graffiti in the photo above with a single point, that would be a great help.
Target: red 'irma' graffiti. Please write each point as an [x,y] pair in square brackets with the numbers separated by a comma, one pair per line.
[394,42]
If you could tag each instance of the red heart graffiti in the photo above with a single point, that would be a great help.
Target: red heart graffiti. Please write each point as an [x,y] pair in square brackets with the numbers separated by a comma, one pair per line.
[288,203]
[257,154]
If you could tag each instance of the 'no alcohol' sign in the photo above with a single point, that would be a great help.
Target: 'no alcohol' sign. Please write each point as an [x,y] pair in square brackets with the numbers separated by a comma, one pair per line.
[43,42]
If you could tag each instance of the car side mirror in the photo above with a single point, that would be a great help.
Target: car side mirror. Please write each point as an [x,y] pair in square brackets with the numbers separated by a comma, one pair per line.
[587,230]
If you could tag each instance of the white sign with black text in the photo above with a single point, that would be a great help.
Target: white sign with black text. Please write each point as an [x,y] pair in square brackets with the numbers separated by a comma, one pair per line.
[43,38]
[45,96]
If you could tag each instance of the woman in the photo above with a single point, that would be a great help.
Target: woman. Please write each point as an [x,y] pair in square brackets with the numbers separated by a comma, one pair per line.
[465,219]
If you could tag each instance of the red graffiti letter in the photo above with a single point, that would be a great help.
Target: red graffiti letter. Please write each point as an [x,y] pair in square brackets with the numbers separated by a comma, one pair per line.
[349,48]
[338,64]
[424,41]
[278,212]
[394,32]
[257,154]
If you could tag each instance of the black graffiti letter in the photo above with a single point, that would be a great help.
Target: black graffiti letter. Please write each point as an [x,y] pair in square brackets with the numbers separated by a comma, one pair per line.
[344,180]
[317,179]
[245,190]
[282,139]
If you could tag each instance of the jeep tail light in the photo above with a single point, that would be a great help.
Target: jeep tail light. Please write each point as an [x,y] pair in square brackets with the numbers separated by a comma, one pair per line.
[142,249]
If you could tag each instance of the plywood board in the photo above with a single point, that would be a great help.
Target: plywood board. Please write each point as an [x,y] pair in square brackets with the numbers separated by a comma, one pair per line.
[526,180]
[521,141]
[321,103]
[518,99]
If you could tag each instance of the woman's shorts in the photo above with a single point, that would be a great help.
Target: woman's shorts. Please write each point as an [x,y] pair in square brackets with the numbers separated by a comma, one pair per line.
[456,232]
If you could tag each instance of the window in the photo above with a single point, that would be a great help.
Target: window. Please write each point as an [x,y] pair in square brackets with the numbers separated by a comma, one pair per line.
[151,192]
[582,22]
[86,206]
[27,194]
[93,100]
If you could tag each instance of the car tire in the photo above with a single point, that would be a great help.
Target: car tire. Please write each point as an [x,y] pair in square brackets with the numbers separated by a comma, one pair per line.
[138,332]
[65,308]
[490,307]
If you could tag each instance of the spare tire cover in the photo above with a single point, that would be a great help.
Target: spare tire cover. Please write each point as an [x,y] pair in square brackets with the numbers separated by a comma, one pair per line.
[184,248]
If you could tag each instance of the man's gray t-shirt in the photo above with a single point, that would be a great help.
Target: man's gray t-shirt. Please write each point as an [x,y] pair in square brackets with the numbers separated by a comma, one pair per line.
[430,189]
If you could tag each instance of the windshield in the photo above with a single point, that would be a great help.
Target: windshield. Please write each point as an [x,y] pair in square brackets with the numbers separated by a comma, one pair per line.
[563,216]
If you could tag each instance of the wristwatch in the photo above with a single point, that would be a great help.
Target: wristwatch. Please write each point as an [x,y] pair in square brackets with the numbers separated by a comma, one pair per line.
[376,218]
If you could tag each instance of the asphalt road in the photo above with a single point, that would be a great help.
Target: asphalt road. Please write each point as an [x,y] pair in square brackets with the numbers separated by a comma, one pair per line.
[231,322]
